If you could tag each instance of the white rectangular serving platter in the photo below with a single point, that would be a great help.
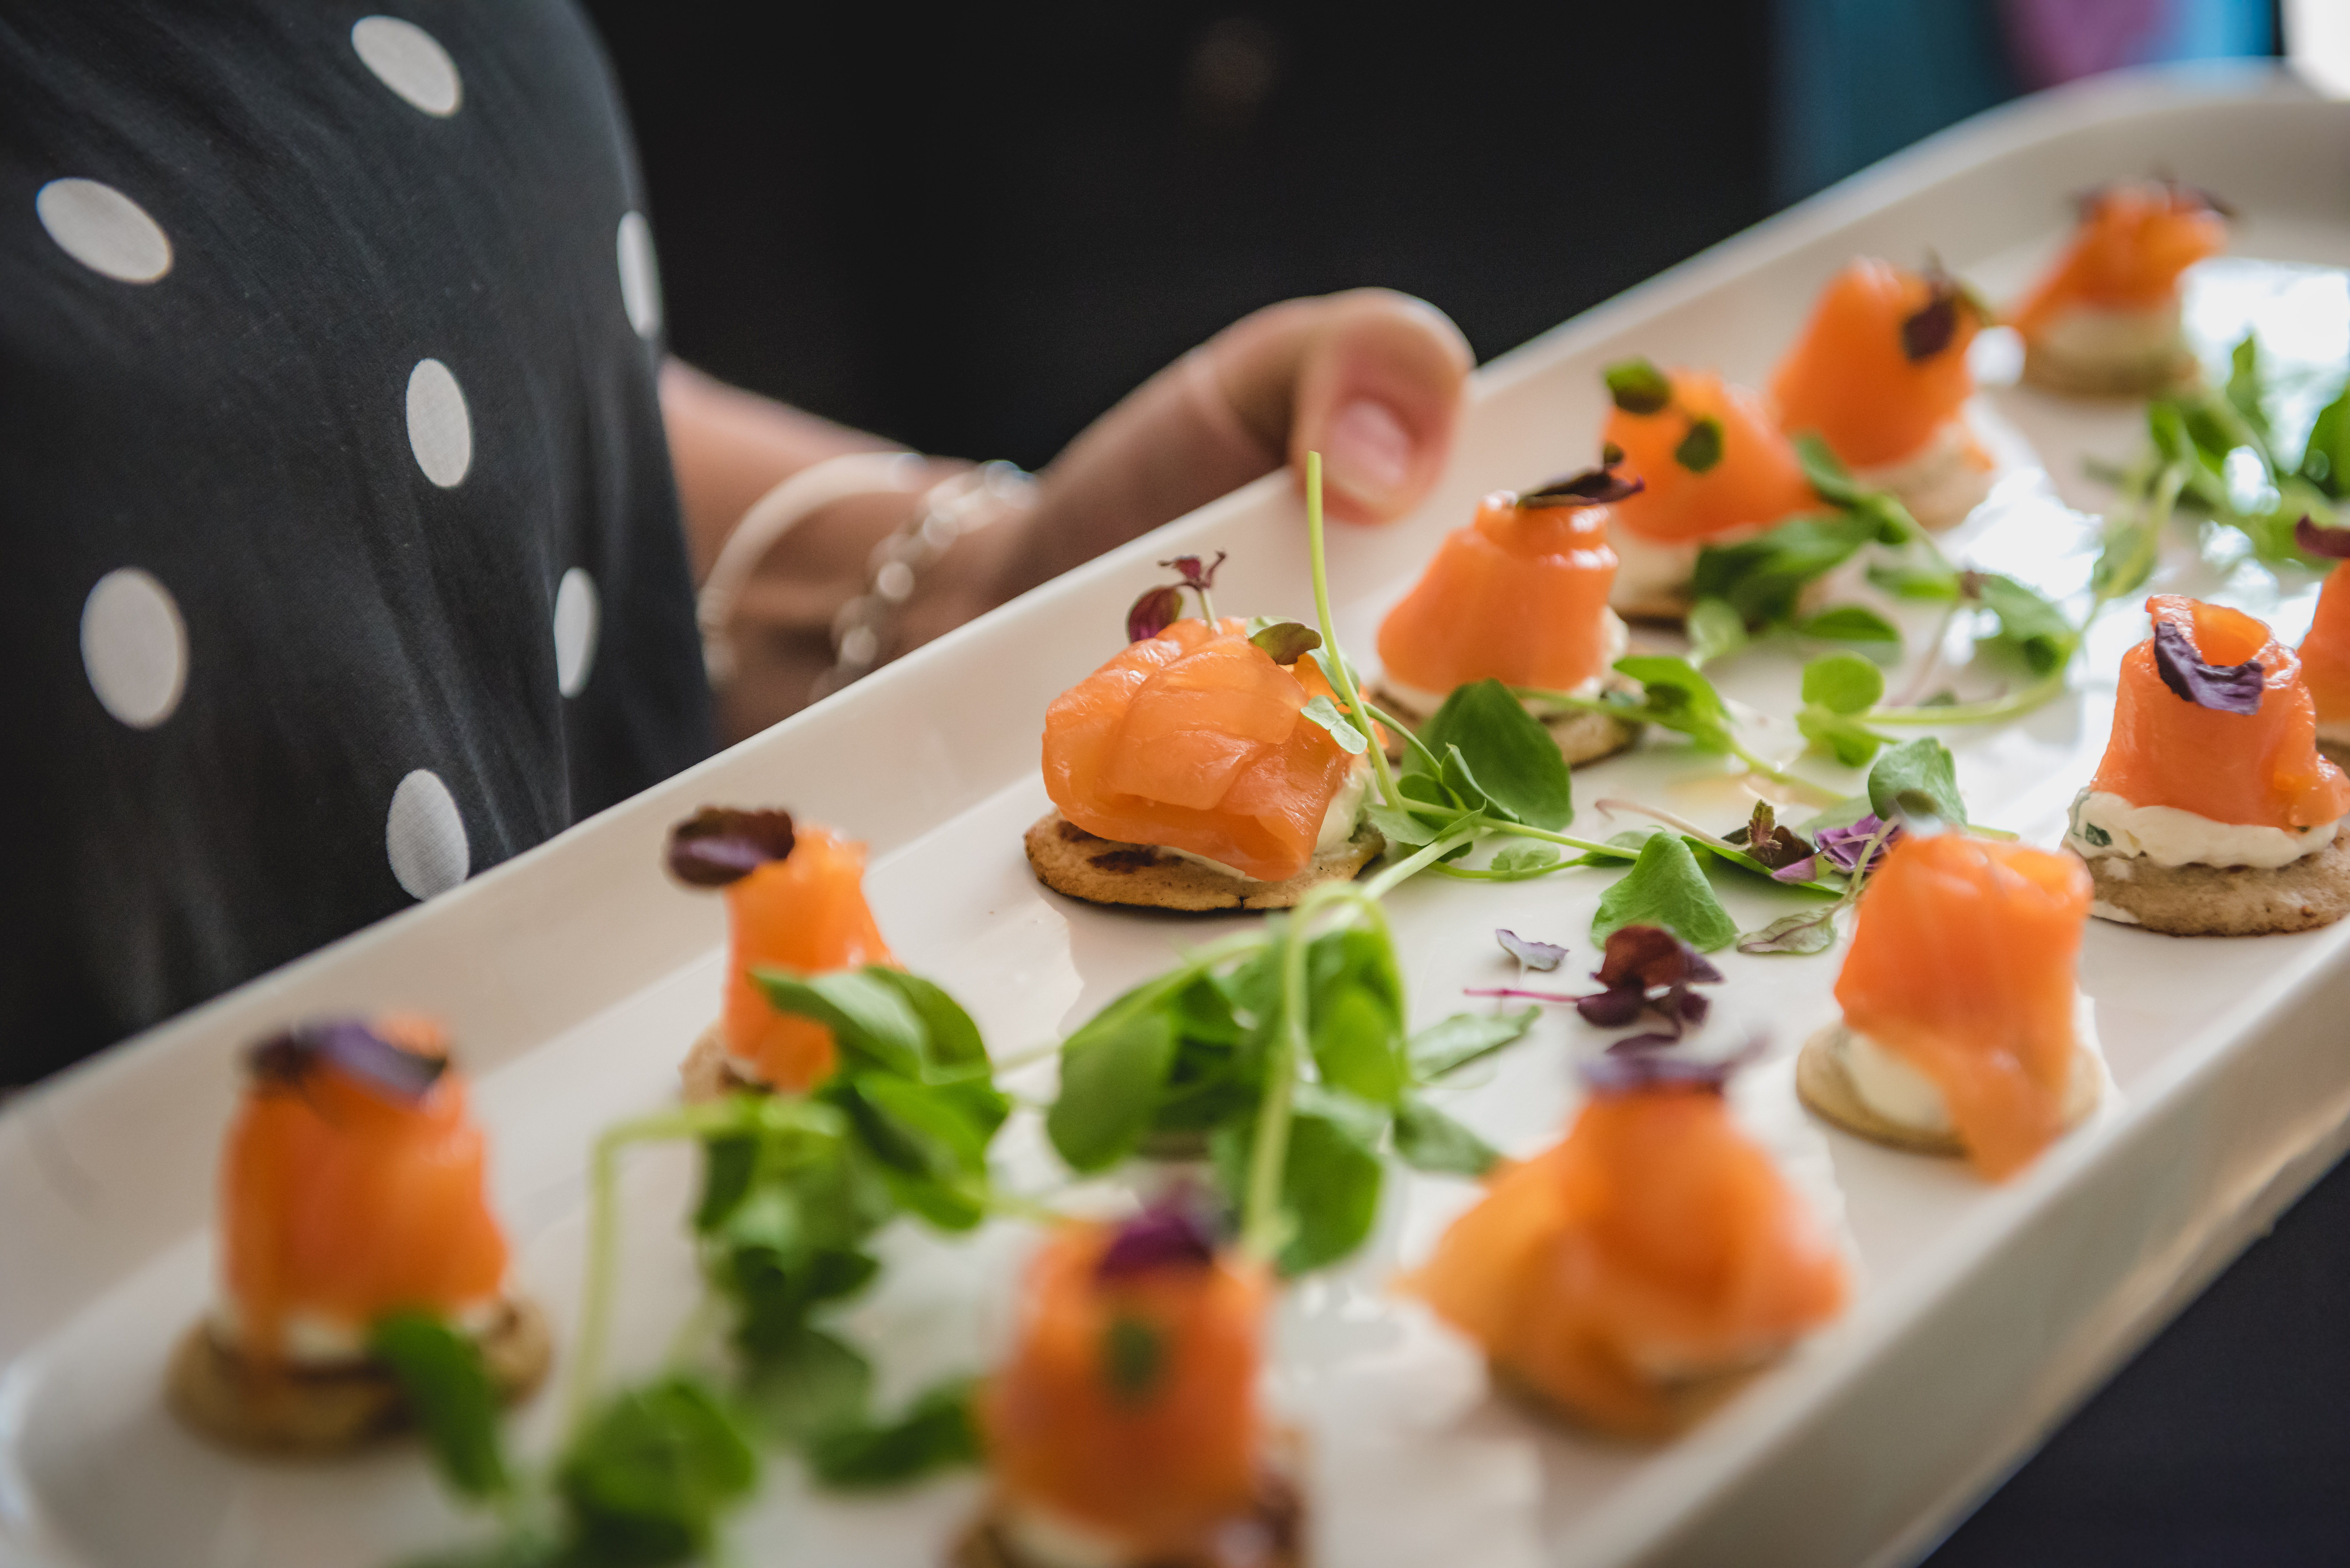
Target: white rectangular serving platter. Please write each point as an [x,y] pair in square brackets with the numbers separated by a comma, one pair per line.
[575,976]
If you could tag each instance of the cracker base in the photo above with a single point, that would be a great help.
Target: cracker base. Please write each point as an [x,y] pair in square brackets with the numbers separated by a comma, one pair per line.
[1680,1406]
[2229,901]
[1277,1541]
[2074,377]
[1582,736]
[316,1411]
[1068,859]
[1827,1090]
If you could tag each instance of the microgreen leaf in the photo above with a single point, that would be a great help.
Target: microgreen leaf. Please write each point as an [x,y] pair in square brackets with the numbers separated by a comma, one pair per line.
[936,1432]
[2243,390]
[1287,641]
[1762,578]
[1534,955]
[2031,625]
[1112,1070]
[1637,387]
[719,845]
[1527,859]
[1845,738]
[1515,764]
[1701,449]
[1916,781]
[810,1382]
[1169,1235]
[1665,888]
[2325,459]
[1675,695]
[1331,1175]
[1825,470]
[870,1016]
[1804,931]
[1715,631]
[1447,1046]
[1843,684]
[1198,578]
[1769,843]
[1930,579]
[448,1392]
[1427,1139]
[650,1473]
[1854,624]
[2223,687]
[1320,710]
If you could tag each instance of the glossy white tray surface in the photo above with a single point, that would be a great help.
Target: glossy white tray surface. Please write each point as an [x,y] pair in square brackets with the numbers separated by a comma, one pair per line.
[574,978]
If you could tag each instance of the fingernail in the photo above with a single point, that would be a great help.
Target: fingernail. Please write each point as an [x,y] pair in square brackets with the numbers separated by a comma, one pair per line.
[1368,451]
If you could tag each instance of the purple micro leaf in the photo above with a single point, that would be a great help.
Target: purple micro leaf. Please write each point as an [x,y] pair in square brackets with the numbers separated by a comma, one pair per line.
[350,1047]
[1169,1235]
[1632,1044]
[1633,1072]
[1153,613]
[1651,956]
[2222,688]
[1592,487]
[1765,841]
[1195,576]
[719,845]
[1842,848]
[1807,869]
[1693,1007]
[1612,1009]
[2331,542]
[1928,330]
[1532,954]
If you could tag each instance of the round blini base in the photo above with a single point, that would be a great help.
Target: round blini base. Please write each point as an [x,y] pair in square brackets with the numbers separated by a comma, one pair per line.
[2224,901]
[334,1407]
[1068,859]
[1827,1089]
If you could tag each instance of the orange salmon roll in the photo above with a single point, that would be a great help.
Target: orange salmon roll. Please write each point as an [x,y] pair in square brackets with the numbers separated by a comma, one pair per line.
[2325,662]
[1628,1273]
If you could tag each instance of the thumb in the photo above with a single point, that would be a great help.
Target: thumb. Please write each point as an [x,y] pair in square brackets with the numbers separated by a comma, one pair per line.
[1371,379]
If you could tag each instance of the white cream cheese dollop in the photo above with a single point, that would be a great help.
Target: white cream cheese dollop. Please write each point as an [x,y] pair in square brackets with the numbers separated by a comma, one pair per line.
[319,1339]
[2102,824]
[1898,1092]
[1338,822]
[1941,482]
[1419,704]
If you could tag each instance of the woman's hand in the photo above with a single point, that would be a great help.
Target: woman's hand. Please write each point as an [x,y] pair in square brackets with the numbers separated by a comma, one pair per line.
[1371,379]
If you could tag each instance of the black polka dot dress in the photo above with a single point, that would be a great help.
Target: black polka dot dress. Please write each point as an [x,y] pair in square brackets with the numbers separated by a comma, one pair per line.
[339,556]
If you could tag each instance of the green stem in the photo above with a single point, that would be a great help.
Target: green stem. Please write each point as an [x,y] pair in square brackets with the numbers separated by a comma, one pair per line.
[1261,1224]
[1818,794]
[1397,727]
[1427,855]
[1341,677]
[1984,712]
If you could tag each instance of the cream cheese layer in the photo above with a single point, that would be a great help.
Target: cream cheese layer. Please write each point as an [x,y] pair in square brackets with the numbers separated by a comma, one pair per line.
[2108,825]
[2112,340]
[1418,704]
[1890,1086]
[321,1339]
[1939,482]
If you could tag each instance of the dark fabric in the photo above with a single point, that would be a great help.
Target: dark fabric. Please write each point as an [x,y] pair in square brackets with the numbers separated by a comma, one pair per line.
[238,430]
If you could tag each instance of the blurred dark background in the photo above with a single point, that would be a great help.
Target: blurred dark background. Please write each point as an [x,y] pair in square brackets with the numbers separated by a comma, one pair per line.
[974,232]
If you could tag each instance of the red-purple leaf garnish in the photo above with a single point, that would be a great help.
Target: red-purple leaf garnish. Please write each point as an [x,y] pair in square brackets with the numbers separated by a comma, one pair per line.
[1532,954]
[2222,688]
[1651,1066]
[1928,330]
[1648,972]
[1765,840]
[1804,870]
[1195,576]
[1592,487]
[1842,848]
[719,845]
[348,1046]
[1631,1045]
[1169,1235]
[1153,613]
[1287,641]
[2331,542]
[1651,956]
[1613,1008]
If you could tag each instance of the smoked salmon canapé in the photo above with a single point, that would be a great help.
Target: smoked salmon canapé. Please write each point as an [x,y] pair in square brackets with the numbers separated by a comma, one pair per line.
[1198,769]
[794,901]
[1880,375]
[353,1202]
[1124,1430]
[2105,319]
[2326,651]
[2213,813]
[1519,595]
[1964,1032]
[1715,468]
[1634,1274]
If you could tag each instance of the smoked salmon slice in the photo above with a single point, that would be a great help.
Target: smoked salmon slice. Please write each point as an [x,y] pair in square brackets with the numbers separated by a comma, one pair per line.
[2133,242]
[1654,1250]
[1519,595]
[1962,965]
[1128,1407]
[2326,651]
[1881,367]
[346,1194]
[2261,768]
[1192,740]
[804,912]
[1744,476]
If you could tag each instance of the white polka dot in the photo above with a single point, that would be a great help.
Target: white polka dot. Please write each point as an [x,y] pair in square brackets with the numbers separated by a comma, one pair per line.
[440,430]
[577,614]
[104,230]
[425,837]
[410,61]
[134,646]
[639,274]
